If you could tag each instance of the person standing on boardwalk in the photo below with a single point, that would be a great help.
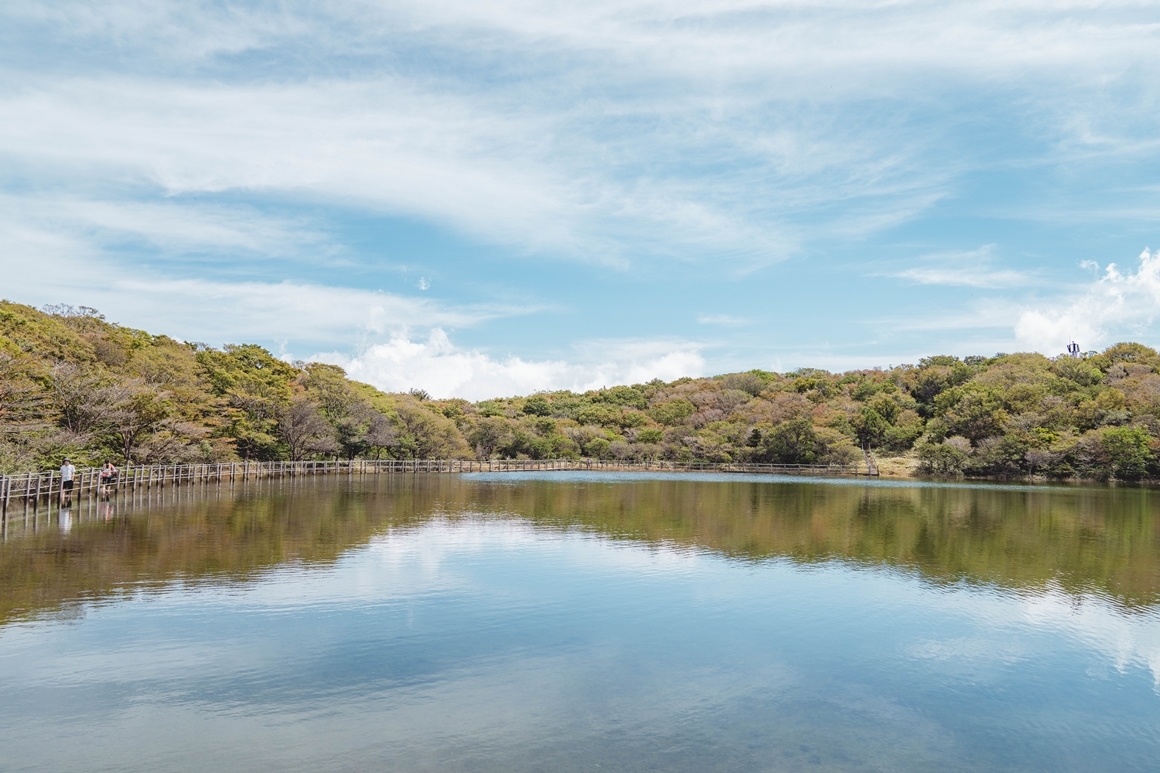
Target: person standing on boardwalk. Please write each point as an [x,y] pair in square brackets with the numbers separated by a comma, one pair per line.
[108,478]
[67,474]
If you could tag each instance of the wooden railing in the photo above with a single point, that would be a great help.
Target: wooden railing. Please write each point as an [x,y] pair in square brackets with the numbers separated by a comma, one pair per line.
[31,486]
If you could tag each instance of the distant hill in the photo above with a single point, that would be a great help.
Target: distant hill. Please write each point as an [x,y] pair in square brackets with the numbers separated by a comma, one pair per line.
[73,384]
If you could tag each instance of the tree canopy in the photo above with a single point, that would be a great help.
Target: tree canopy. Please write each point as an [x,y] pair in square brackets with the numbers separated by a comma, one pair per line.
[73,384]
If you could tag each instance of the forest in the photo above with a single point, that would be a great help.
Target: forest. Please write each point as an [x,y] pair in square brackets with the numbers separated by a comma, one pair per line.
[73,384]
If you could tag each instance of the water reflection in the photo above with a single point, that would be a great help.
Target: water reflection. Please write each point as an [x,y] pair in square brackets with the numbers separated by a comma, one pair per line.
[1082,540]
[567,624]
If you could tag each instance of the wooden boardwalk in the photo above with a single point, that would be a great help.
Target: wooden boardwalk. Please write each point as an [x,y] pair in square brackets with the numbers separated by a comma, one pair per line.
[30,487]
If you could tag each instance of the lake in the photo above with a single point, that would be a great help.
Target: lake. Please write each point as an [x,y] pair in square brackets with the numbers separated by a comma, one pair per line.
[584,622]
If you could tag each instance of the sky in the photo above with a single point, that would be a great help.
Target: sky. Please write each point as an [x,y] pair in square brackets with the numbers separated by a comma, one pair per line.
[498,197]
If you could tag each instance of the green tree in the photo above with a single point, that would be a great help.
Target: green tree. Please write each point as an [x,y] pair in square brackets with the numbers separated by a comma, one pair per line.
[793,442]
[1125,452]
[672,412]
[136,411]
[537,405]
[972,410]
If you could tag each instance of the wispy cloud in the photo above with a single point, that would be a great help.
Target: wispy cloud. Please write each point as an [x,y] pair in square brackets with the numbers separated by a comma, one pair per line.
[59,267]
[168,226]
[702,141]
[966,276]
[285,311]
[606,146]
[724,320]
[717,36]
[972,268]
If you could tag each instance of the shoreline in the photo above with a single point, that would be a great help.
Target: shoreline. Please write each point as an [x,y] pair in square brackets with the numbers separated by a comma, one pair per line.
[31,487]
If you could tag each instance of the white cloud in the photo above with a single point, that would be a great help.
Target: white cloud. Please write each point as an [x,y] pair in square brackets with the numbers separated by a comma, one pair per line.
[713,37]
[52,257]
[971,268]
[55,268]
[722,132]
[446,370]
[966,276]
[1116,306]
[605,139]
[169,225]
[380,143]
[724,320]
[389,145]
[295,311]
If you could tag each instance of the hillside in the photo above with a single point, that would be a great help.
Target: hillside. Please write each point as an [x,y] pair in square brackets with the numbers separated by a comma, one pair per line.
[73,384]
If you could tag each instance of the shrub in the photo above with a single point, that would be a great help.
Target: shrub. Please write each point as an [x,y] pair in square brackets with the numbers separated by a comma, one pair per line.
[950,457]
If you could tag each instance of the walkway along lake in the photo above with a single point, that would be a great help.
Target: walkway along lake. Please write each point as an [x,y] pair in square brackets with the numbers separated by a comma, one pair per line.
[583,620]
[31,487]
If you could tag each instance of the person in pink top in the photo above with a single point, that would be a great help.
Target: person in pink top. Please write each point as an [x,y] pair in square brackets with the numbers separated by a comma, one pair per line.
[108,479]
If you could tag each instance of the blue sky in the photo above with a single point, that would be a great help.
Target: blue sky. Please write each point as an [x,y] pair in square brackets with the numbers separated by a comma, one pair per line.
[497,197]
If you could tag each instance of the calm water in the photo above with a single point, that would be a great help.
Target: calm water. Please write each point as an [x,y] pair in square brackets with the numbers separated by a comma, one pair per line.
[576,622]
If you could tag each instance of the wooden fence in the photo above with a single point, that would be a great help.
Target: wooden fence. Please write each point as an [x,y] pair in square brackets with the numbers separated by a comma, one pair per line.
[31,486]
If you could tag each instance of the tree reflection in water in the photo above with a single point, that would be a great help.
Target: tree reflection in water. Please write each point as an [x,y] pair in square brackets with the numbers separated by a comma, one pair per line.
[1083,540]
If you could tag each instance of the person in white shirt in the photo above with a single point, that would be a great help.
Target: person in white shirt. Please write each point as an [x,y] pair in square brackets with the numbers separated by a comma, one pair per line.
[67,473]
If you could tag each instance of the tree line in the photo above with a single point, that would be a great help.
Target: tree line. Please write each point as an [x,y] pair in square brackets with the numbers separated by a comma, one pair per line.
[73,384]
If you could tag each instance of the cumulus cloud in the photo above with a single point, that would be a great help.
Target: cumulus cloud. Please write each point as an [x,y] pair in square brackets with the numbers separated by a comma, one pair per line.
[1118,305]
[446,370]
